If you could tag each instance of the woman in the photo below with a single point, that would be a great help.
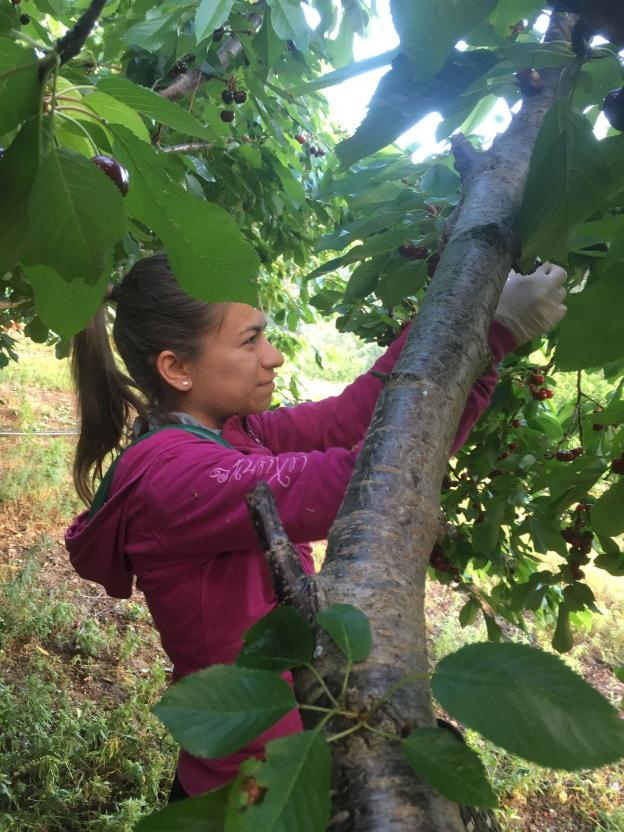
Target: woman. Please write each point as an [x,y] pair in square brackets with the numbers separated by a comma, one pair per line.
[172,512]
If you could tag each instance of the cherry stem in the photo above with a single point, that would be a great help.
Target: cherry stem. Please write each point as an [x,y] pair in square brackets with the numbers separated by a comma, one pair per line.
[577,407]
[82,110]
[323,684]
[62,114]
[346,733]
[385,734]
[345,681]
[330,711]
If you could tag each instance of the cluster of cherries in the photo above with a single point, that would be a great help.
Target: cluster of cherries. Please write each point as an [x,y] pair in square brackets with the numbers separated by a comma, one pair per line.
[181,66]
[231,95]
[569,455]
[439,561]
[312,148]
[540,393]
[579,539]
[511,448]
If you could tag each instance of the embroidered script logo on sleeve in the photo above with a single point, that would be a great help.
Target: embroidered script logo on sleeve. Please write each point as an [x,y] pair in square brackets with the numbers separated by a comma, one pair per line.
[268,468]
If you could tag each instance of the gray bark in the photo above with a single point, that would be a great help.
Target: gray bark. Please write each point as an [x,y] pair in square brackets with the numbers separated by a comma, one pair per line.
[379,545]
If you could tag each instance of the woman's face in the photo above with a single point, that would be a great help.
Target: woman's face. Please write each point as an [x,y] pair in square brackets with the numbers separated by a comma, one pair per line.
[234,372]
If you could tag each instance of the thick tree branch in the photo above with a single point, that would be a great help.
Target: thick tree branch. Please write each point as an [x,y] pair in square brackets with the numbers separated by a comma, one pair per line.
[467,157]
[227,52]
[379,545]
[73,40]
[291,584]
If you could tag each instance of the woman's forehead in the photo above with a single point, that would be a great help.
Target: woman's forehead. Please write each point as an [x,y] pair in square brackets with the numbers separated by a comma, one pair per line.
[240,316]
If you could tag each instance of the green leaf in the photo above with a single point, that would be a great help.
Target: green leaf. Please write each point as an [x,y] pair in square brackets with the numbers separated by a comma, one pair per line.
[36,330]
[469,612]
[509,12]
[530,703]
[19,91]
[205,813]
[349,628]
[567,183]
[401,280]
[209,256]
[117,112]
[221,709]
[210,15]
[363,280]
[563,640]
[608,512]
[296,775]
[494,632]
[288,21]
[592,333]
[75,214]
[153,105]
[351,70]
[65,307]
[18,168]
[279,641]
[618,672]
[450,766]
[430,29]
[613,414]
[440,181]
[611,562]
[268,46]
[151,33]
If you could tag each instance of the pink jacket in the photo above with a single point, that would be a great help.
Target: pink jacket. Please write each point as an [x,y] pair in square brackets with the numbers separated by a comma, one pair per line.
[176,519]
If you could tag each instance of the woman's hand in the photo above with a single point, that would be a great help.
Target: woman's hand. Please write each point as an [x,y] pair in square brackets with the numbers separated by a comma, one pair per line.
[532,304]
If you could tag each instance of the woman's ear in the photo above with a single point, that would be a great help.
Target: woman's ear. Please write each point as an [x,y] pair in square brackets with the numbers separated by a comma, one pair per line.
[174,371]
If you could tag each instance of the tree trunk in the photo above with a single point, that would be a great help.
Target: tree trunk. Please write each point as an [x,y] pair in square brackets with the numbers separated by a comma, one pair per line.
[379,545]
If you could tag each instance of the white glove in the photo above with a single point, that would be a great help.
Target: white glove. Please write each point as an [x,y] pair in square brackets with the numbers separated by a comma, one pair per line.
[532,304]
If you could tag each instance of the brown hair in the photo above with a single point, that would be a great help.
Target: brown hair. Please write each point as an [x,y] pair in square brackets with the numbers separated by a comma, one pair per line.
[153,314]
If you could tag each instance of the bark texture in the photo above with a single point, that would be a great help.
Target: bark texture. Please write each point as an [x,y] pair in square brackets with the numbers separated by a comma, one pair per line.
[379,546]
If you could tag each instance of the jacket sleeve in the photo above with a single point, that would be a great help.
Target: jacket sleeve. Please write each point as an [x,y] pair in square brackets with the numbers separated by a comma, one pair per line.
[194,498]
[341,421]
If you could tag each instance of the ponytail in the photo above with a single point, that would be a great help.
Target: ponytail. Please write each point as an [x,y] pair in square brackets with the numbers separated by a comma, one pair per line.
[153,314]
[105,403]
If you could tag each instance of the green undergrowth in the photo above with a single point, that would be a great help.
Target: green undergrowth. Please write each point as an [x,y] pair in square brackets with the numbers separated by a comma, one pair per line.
[38,471]
[79,748]
[37,367]
[555,800]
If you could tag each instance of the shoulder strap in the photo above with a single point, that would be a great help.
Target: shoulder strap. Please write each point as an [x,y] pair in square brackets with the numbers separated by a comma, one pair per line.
[101,495]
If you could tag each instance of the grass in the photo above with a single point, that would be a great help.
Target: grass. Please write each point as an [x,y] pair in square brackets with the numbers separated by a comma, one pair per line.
[79,748]
[37,367]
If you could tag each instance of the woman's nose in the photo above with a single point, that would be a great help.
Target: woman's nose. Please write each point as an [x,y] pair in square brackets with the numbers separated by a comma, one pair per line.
[274,357]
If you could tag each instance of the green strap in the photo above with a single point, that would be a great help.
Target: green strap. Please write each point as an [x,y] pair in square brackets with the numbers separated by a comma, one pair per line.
[101,495]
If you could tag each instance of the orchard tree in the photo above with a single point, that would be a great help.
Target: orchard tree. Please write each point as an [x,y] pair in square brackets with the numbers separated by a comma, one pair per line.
[197,127]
